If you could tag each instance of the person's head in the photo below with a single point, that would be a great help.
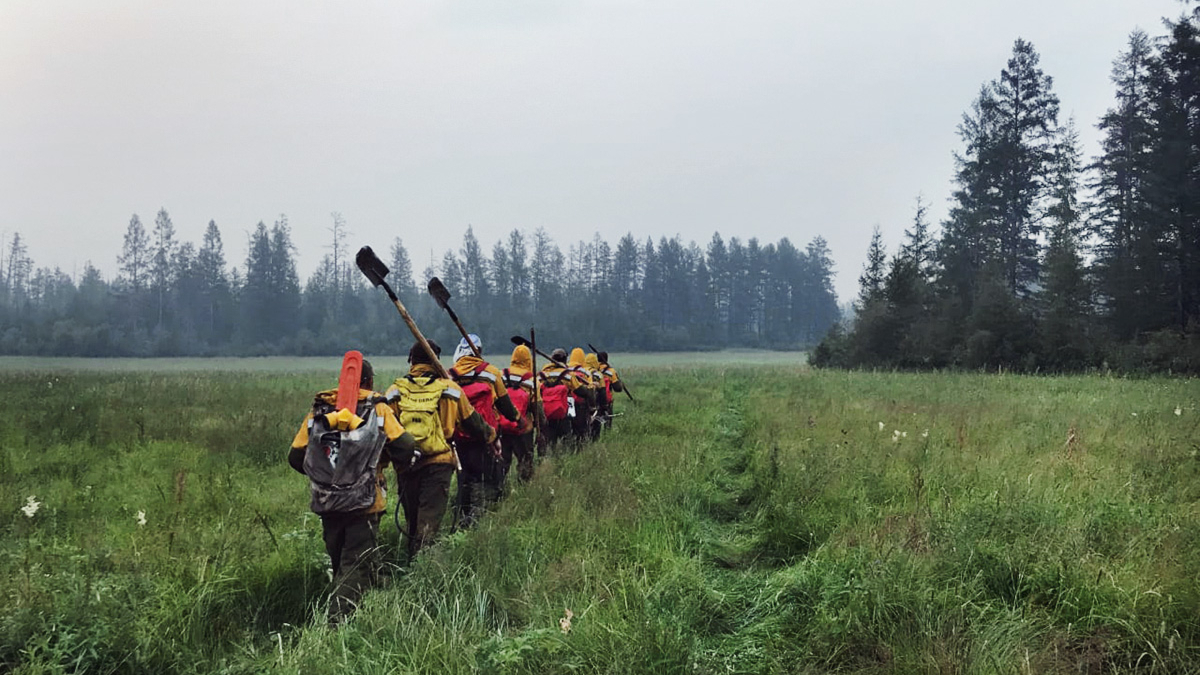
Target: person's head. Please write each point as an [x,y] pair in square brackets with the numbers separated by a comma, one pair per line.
[464,349]
[603,356]
[367,379]
[559,356]
[418,354]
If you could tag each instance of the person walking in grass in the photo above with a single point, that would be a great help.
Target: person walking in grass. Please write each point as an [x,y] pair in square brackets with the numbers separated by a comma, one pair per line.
[344,454]
[432,409]
[603,394]
[557,384]
[482,477]
[584,395]
[516,438]
[612,383]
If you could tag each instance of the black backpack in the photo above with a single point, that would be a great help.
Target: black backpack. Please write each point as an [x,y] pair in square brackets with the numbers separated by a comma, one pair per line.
[341,465]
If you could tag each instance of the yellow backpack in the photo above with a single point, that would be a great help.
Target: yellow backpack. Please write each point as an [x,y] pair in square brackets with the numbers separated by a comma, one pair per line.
[415,401]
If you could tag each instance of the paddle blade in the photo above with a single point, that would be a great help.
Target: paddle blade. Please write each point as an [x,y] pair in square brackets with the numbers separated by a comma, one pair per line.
[349,381]
[518,340]
[370,265]
[439,292]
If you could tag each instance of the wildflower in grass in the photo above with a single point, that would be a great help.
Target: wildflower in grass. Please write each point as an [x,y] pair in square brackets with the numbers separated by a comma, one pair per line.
[896,436]
[141,518]
[564,624]
[1178,411]
[31,506]
[881,426]
[925,434]
[1133,414]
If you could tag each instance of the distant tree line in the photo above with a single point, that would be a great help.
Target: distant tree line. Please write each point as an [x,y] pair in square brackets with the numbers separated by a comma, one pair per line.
[1046,262]
[177,298]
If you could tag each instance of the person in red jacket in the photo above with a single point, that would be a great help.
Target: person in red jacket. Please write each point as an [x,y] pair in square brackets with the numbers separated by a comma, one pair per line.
[516,438]
[482,476]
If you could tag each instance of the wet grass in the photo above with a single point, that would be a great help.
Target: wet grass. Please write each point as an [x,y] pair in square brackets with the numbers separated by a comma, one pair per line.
[739,518]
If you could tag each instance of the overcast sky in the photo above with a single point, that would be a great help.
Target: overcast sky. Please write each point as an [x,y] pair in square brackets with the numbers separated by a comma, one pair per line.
[764,118]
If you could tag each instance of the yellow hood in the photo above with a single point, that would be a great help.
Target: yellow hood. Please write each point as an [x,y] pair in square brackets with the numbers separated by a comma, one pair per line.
[592,362]
[522,360]
[467,363]
[576,358]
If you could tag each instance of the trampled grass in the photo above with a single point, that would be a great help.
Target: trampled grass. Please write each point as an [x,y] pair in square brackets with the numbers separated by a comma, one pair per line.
[739,518]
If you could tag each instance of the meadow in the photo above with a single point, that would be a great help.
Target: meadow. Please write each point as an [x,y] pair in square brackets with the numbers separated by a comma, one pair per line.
[745,515]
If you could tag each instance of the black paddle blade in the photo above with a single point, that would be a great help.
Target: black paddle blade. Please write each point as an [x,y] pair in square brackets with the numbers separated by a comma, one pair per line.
[370,265]
[439,292]
[518,340]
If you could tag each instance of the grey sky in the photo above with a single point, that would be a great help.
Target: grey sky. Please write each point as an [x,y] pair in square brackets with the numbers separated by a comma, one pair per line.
[768,118]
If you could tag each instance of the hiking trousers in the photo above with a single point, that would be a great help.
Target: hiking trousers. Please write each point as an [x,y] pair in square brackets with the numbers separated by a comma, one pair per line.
[553,433]
[476,486]
[424,493]
[351,540]
[520,447]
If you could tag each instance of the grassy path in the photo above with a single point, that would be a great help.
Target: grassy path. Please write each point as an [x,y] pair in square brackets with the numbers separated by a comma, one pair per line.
[738,519]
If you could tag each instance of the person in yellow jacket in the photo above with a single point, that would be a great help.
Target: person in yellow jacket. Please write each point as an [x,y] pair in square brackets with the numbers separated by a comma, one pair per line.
[613,383]
[482,478]
[559,385]
[585,396]
[599,417]
[432,409]
[516,438]
[362,442]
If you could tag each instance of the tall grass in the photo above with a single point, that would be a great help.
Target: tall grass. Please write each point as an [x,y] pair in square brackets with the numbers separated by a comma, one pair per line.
[737,519]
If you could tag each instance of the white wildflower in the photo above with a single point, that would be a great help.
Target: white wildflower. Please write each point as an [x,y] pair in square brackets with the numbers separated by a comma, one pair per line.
[1178,411]
[881,426]
[141,518]
[31,506]
[1133,414]
[896,436]
[925,434]
[903,434]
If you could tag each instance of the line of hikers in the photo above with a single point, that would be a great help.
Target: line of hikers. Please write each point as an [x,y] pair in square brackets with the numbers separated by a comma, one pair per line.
[430,428]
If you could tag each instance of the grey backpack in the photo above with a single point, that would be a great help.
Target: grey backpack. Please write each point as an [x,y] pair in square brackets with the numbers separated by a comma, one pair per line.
[341,465]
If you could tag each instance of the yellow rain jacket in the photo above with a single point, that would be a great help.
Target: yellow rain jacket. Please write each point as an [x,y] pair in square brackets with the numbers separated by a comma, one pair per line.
[391,428]
[454,410]
[470,362]
[521,364]
[593,364]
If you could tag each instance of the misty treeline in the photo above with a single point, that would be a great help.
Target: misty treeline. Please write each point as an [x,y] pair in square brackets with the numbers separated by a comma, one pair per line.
[1047,261]
[179,298]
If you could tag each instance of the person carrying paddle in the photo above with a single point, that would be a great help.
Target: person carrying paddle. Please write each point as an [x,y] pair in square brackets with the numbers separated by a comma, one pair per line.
[482,476]
[516,438]
[343,447]
[432,409]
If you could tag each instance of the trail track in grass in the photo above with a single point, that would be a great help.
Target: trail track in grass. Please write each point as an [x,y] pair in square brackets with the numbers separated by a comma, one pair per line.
[739,518]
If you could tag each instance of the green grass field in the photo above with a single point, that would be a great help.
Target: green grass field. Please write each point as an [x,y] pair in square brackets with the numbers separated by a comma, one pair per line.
[743,517]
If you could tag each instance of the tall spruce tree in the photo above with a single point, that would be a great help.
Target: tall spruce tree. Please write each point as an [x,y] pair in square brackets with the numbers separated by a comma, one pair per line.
[870,282]
[1026,116]
[1121,212]
[1174,189]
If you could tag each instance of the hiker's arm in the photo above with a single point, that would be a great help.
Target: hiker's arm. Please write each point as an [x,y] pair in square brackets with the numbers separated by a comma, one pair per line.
[299,445]
[478,428]
[402,449]
[296,458]
[504,406]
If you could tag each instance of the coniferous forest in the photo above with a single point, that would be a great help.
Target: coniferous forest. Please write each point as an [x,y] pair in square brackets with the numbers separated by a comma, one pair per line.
[1048,260]
[175,298]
